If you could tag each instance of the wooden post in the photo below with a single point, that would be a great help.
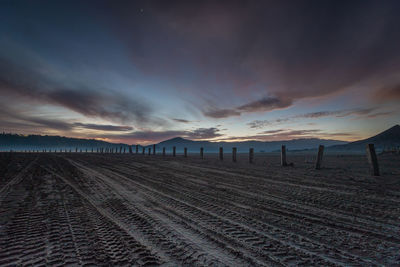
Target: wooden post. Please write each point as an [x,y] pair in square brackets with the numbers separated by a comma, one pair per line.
[137,149]
[163,151]
[372,159]
[120,150]
[283,156]
[174,151]
[185,152]
[149,150]
[130,149]
[201,153]
[154,149]
[221,153]
[76,150]
[124,150]
[319,157]
[234,154]
[251,155]
[143,151]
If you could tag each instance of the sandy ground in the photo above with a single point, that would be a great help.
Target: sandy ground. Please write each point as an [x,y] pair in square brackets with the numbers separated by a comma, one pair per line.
[102,209]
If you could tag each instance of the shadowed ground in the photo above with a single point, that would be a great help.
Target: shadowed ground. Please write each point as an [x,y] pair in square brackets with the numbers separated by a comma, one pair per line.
[112,209]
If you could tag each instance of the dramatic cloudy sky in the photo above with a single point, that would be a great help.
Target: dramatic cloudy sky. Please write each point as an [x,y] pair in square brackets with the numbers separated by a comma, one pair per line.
[145,71]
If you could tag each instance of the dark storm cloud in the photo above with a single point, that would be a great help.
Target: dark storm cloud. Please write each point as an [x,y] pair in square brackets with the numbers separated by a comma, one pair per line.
[290,49]
[23,83]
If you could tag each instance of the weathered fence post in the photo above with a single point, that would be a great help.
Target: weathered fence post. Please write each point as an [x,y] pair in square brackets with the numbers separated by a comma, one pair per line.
[76,150]
[163,151]
[185,152]
[283,156]
[221,153]
[154,149]
[144,151]
[174,151]
[137,149]
[372,159]
[130,149]
[319,157]
[251,155]
[201,153]
[234,154]
[149,150]
[124,150]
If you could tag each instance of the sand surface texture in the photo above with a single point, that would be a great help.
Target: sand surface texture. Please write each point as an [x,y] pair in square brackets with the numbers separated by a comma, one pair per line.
[121,209]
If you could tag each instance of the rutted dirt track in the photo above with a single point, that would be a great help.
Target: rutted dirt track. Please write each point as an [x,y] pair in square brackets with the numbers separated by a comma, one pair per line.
[112,209]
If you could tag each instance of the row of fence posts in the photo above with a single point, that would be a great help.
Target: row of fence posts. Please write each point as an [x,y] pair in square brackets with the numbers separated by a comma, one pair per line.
[371,155]
[370,149]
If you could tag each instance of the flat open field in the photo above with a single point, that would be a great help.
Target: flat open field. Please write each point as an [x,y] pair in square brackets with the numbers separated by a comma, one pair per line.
[121,209]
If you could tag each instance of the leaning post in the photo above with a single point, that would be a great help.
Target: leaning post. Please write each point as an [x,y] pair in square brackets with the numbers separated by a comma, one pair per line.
[154,149]
[283,156]
[137,149]
[174,151]
[163,151]
[221,153]
[319,157]
[234,154]
[149,150]
[372,159]
[201,153]
[185,152]
[144,151]
[251,155]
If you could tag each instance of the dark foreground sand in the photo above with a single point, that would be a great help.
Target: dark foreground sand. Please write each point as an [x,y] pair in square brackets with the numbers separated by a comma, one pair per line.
[102,209]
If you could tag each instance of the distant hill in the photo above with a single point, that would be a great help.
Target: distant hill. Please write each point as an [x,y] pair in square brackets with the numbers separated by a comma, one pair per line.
[385,140]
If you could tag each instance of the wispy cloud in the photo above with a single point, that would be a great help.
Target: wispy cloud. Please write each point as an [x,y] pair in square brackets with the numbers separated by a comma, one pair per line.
[24,83]
[356,112]
[261,105]
[102,127]
[181,120]
[387,93]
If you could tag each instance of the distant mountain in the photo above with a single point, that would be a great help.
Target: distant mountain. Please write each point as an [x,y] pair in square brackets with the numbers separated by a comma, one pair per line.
[386,139]
[259,146]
